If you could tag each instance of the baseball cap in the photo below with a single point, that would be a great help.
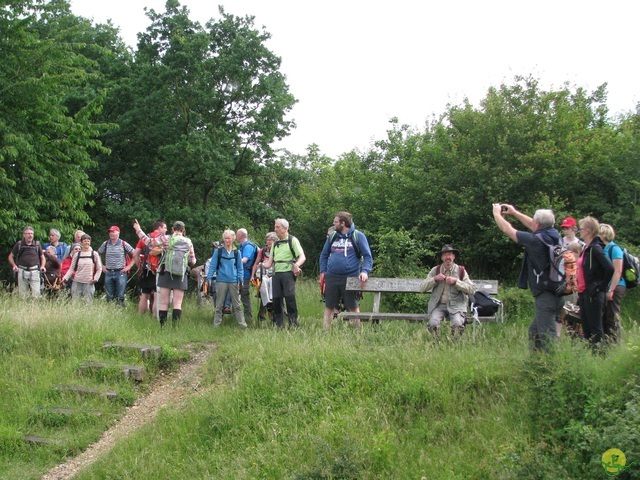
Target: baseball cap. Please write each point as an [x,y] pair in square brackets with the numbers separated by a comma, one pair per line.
[569,222]
[115,228]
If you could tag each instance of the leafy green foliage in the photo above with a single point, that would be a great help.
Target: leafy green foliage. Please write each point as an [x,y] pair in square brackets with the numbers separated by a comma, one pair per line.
[205,105]
[45,146]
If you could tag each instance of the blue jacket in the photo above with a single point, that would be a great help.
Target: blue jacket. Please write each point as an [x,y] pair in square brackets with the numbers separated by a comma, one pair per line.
[339,258]
[230,270]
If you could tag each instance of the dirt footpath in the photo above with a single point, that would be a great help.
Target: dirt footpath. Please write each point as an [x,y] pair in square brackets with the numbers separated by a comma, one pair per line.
[171,389]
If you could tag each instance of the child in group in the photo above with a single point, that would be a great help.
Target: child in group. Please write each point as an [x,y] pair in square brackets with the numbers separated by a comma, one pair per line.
[574,327]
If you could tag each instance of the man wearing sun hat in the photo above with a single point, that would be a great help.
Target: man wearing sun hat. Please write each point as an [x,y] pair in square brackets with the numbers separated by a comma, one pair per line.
[115,253]
[450,285]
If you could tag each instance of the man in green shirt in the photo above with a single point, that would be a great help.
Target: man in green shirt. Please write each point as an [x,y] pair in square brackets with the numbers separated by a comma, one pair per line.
[287,256]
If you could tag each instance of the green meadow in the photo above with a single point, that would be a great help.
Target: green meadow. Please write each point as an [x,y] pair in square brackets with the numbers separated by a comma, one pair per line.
[385,401]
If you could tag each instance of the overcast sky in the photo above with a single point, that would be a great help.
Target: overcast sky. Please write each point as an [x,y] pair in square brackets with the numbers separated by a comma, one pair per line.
[354,64]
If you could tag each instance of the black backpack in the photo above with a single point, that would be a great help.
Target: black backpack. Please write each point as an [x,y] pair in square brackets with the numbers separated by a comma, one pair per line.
[487,305]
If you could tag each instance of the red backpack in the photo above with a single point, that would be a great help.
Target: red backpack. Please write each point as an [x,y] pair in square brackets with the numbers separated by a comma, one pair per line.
[152,254]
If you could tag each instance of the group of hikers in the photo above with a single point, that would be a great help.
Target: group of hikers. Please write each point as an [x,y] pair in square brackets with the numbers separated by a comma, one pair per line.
[237,264]
[163,259]
[592,276]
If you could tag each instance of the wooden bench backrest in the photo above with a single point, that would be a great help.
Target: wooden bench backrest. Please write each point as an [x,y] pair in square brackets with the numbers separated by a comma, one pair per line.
[395,285]
[487,286]
[408,285]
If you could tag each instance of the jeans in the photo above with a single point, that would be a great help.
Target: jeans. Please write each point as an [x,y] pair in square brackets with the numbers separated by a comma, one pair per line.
[115,284]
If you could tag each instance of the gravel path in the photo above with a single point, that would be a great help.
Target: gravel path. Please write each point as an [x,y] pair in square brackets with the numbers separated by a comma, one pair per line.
[171,389]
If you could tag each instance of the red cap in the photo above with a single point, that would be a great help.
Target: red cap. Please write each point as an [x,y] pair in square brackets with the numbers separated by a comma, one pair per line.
[115,228]
[569,222]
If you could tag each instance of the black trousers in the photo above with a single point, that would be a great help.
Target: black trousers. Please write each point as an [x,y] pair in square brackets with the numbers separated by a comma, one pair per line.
[284,288]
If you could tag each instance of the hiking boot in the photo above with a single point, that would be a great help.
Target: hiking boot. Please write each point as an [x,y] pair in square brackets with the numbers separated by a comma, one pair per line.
[162,317]
[175,317]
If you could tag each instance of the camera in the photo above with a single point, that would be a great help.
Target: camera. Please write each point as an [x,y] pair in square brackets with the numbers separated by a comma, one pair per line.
[504,208]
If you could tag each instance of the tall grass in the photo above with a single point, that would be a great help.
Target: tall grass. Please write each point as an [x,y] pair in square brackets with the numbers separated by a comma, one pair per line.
[384,401]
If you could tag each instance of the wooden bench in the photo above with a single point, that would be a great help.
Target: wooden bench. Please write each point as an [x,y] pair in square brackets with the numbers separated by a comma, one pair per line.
[378,286]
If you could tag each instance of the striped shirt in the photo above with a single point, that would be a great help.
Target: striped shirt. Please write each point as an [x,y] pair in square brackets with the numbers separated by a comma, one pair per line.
[114,254]
[87,271]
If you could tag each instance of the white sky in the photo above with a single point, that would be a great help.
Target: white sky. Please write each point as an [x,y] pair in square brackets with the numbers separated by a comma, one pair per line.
[354,64]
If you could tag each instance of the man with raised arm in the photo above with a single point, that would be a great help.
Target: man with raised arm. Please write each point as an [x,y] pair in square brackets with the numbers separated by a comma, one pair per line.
[535,268]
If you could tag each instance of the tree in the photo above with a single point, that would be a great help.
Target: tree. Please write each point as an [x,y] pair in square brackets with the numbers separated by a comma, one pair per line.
[204,106]
[45,147]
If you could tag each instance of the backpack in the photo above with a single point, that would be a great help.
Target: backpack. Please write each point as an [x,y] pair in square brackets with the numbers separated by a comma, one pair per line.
[152,255]
[22,248]
[485,304]
[354,242]
[630,269]
[127,257]
[280,242]
[252,260]
[235,257]
[176,258]
[562,269]
[93,258]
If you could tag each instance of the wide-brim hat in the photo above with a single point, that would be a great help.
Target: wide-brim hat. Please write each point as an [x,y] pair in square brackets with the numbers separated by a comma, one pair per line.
[449,248]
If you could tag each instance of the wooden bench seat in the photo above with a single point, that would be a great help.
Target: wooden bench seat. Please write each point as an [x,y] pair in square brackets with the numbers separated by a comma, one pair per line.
[378,286]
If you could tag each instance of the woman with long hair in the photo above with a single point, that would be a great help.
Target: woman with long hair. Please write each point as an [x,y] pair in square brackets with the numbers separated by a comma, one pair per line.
[594,274]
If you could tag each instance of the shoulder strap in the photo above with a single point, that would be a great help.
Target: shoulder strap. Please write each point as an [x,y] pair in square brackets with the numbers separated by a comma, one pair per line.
[354,242]
[93,259]
[293,253]
[19,250]
[235,256]
[22,248]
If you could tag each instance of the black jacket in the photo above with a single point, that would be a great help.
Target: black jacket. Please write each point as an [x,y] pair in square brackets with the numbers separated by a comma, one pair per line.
[597,268]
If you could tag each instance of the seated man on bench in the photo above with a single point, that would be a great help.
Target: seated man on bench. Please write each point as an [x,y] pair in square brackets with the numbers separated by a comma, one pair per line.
[450,284]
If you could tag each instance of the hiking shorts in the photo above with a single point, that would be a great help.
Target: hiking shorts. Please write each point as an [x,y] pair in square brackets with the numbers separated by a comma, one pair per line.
[335,289]
[148,282]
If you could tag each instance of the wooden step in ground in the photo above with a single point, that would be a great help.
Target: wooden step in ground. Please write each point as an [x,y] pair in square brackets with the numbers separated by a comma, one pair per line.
[131,372]
[73,411]
[110,394]
[41,440]
[146,351]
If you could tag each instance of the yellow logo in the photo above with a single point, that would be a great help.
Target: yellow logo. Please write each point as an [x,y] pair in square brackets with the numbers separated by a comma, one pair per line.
[614,461]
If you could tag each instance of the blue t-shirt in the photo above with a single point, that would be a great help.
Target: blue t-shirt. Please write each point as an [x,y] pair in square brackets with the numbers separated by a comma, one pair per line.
[60,249]
[615,254]
[248,250]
